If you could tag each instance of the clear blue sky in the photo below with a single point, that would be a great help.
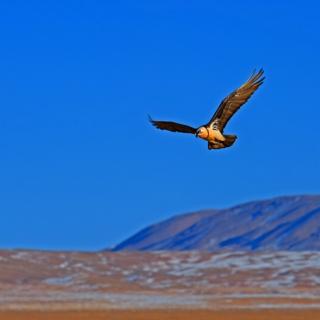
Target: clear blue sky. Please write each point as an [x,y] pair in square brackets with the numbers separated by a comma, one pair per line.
[81,167]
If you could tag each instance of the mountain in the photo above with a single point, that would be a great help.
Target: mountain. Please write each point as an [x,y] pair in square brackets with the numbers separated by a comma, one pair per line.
[284,223]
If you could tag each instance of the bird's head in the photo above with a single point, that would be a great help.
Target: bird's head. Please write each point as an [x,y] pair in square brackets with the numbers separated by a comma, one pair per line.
[202,132]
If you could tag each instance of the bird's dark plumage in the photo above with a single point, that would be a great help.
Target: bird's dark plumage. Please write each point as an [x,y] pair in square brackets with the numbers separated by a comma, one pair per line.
[173,126]
[213,130]
[232,103]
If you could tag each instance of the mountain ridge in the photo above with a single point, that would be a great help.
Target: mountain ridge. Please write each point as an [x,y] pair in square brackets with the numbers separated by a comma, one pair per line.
[279,223]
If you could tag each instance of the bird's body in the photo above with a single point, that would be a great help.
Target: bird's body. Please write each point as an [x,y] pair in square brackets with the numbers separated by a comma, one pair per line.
[213,130]
[216,140]
[210,135]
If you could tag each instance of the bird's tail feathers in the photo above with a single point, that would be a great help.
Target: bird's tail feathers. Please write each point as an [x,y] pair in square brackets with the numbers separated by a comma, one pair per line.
[230,139]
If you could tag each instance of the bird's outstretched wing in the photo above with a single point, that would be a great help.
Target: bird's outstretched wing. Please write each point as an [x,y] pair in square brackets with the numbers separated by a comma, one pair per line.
[232,103]
[173,126]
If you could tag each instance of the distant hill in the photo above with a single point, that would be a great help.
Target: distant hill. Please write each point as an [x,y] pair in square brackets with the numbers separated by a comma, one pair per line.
[283,223]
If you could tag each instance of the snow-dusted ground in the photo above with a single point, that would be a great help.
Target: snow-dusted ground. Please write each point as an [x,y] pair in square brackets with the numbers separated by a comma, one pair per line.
[35,279]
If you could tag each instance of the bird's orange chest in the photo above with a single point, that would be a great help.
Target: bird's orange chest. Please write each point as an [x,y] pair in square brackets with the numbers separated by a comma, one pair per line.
[212,135]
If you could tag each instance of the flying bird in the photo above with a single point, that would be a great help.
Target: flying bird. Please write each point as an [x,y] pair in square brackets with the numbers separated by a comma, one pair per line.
[213,131]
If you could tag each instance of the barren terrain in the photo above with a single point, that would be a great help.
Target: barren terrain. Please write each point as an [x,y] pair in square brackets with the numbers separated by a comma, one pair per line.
[172,314]
[228,283]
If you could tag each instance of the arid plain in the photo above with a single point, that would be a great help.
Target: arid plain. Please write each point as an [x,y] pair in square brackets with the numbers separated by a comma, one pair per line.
[159,285]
